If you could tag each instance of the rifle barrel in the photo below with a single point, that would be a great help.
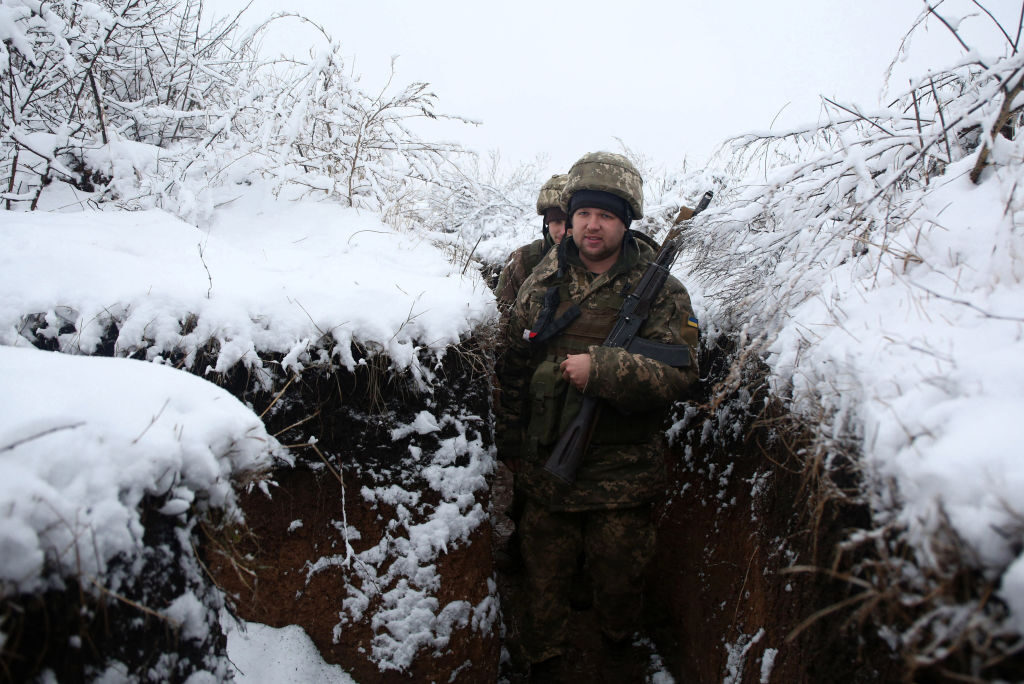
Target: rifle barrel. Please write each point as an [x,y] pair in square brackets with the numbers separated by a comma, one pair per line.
[704,202]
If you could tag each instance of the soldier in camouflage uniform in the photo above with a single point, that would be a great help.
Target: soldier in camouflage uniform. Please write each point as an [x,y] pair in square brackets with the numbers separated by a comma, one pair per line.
[523,260]
[517,268]
[606,513]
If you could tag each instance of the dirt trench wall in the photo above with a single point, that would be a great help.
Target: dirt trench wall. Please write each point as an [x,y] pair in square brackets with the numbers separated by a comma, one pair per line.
[117,628]
[375,541]
[731,595]
[360,543]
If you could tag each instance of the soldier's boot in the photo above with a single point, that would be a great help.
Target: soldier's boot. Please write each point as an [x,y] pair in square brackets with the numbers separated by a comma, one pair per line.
[548,671]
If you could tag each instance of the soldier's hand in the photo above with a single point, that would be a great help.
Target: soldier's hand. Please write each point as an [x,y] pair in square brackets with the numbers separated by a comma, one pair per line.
[576,370]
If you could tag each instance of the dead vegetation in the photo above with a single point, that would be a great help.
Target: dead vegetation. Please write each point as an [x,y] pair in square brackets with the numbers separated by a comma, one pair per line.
[849,194]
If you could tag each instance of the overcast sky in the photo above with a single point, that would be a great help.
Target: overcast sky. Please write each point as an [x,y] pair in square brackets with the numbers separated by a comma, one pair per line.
[670,79]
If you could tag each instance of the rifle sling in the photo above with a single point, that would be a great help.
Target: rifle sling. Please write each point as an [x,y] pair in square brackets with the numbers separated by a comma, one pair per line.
[675,355]
[556,326]
[547,326]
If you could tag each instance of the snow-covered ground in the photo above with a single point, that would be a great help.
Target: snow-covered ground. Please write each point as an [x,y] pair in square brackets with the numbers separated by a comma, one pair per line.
[83,439]
[266,655]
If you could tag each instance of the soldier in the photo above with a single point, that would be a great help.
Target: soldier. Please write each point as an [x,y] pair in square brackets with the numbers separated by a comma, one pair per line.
[522,261]
[606,513]
[518,266]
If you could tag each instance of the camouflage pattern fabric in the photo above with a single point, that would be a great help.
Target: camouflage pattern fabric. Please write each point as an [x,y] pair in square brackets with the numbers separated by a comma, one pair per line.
[618,545]
[517,267]
[623,466]
[551,192]
[606,172]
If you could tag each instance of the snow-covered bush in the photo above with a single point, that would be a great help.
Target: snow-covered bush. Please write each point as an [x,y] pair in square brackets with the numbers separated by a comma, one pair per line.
[875,263]
[83,77]
[150,104]
[483,211]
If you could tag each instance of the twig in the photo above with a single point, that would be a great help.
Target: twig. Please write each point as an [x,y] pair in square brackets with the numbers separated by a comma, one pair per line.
[134,604]
[100,114]
[920,137]
[746,575]
[298,423]
[17,443]
[322,333]
[852,600]
[350,552]
[208,276]
[278,395]
[471,253]
[860,116]
[942,120]
[963,302]
[1020,25]
[996,22]
[152,421]
[931,10]
[365,230]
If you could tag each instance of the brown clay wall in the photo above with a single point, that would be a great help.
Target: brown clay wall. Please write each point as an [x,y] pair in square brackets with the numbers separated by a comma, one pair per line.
[740,590]
[267,574]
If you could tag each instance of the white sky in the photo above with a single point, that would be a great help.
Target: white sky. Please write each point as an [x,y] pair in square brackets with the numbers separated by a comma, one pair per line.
[670,79]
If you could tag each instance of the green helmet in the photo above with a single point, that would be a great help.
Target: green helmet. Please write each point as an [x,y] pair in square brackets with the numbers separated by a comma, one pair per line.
[551,192]
[606,172]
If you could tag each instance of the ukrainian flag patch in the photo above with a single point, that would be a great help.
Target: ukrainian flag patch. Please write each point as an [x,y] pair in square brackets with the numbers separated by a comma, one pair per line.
[692,322]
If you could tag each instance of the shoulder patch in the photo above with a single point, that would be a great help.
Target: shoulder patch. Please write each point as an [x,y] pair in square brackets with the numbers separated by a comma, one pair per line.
[692,322]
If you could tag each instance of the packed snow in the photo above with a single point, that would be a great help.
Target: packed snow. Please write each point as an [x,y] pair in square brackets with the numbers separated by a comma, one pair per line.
[83,440]
[263,654]
[267,276]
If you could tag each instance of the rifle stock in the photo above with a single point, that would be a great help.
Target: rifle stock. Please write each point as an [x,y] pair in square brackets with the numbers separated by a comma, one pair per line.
[568,452]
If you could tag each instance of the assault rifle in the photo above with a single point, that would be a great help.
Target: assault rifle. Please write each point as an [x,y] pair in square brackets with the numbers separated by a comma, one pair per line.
[568,452]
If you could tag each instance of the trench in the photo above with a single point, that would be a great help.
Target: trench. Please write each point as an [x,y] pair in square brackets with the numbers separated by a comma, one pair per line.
[747,582]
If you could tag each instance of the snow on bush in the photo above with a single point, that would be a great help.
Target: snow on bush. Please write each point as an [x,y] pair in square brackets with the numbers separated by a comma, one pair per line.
[876,263]
[154,104]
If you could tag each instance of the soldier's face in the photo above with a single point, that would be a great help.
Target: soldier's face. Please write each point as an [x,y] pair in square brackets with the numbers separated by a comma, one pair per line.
[598,234]
[556,229]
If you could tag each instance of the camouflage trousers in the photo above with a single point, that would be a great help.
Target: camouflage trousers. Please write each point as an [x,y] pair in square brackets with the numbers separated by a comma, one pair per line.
[617,546]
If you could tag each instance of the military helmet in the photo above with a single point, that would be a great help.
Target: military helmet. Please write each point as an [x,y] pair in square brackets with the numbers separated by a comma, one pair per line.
[551,193]
[606,172]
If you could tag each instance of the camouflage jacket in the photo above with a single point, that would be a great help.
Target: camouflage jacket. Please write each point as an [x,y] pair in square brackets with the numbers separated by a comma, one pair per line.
[624,464]
[517,268]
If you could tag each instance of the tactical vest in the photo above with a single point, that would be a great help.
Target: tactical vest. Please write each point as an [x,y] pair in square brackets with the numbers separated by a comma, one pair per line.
[554,402]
